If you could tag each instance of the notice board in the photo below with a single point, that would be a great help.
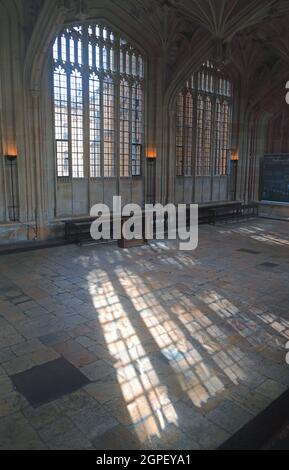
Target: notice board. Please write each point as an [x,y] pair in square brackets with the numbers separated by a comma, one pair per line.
[275,178]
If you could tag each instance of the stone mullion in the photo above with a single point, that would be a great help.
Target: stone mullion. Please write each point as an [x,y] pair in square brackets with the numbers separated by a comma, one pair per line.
[117,129]
[194,140]
[225,140]
[184,132]
[101,80]
[101,88]
[86,113]
[203,134]
[213,139]
[130,125]
[68,75]
[192,136]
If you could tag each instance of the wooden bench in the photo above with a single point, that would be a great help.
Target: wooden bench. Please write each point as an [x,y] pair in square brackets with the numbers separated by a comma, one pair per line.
[231,212]
[124,243]
[250,210]
[234,211]
[205,210]
[78,231]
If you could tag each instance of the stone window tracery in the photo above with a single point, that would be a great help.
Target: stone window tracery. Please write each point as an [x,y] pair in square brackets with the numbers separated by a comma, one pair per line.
[204,123]
[98,81]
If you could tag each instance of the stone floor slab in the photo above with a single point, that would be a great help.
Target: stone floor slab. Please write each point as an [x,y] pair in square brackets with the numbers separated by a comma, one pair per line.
[48,382]
[182,348]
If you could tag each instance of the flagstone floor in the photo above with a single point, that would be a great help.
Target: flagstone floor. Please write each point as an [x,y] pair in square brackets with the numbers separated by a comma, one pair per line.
[178,349]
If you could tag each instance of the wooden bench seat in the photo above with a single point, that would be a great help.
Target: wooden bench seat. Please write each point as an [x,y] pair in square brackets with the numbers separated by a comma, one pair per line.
[205,210]
[231,212]
[250,210]
[235,211]
[78,230]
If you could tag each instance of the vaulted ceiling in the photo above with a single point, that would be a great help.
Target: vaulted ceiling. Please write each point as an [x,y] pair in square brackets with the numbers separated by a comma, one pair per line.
[250,36]
[222,19]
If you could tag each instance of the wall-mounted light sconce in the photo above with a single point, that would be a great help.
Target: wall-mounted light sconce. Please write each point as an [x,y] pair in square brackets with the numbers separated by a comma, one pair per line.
[152,153]
[151,174]
[234,155]
[11,159]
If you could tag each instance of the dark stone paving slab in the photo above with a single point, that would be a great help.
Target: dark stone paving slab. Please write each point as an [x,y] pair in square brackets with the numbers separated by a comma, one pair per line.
[280,441]
[268,265]
[49,382]
[261,429]
[250,252]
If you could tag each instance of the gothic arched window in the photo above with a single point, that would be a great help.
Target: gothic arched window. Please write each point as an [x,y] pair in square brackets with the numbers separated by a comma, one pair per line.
[98,103]
[204,123]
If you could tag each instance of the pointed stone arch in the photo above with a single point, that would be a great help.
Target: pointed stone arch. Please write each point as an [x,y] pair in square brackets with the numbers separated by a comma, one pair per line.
[53,16]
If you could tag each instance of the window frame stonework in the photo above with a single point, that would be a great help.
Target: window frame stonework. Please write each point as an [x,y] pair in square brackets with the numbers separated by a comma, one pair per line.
[89,117]
[205,125]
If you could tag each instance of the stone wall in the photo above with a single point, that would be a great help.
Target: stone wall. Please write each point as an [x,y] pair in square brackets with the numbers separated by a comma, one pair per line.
[274,210]
[26,116]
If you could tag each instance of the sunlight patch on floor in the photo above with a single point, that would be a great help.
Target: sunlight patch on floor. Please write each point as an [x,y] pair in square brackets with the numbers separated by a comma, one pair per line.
[146,398]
